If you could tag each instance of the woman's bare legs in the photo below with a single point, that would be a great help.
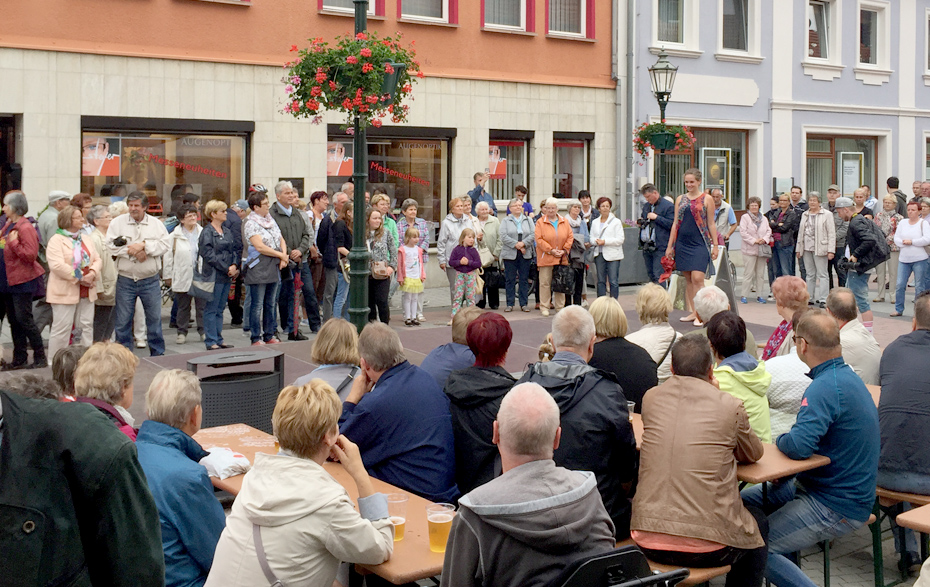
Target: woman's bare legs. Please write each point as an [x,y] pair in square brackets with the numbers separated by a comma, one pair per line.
[694,281]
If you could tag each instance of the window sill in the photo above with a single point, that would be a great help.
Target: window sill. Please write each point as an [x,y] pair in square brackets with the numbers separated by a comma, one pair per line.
[494,29]
[927,79]
[825,72]
[873,76]
[677,52]
[413,20]
[738,57]
[569,37]
[333,12]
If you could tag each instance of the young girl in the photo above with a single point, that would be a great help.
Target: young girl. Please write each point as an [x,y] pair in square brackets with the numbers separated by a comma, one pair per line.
[466,261]
[411,273]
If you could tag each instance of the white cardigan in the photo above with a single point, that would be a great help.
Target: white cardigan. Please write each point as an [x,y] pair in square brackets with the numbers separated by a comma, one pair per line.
[612,234]
[178,265]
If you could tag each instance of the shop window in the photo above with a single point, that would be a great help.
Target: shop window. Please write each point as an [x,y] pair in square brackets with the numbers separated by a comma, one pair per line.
[570,174]
[720,154]
[735,25]
[846,161]
[506,168]
[569,17]
[213,165]
[425,9]
[670,20]
[868,37]
[510,14]
[818,30]
[404,168]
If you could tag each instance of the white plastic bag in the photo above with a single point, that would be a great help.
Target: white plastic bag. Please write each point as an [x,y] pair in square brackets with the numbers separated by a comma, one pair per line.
[224,462]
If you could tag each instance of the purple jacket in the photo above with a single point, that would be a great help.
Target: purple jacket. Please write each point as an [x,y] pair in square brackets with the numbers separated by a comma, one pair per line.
[474,259]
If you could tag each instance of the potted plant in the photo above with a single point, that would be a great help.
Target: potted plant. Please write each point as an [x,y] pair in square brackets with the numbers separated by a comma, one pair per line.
[662,137]
[362,75]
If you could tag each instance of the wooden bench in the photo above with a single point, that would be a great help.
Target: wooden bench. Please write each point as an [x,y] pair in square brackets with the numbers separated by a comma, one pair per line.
[695,576]
[887,498]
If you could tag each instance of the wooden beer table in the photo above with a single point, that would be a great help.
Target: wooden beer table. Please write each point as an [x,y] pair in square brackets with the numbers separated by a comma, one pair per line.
[916,519]
[412,559]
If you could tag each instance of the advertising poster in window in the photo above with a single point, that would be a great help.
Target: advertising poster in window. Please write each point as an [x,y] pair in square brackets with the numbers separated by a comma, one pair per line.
[715,163]
[339,158]
[100,156]
[497,161]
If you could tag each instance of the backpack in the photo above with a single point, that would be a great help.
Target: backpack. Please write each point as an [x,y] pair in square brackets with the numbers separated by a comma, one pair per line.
[880,253]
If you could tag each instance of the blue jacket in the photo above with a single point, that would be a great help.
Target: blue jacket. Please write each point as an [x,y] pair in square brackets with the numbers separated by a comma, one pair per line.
[234,225]
[403,428]
[191,517]
[665,211]
[446,358]
[838,419]
[326,243]
[478,194]
[219,252]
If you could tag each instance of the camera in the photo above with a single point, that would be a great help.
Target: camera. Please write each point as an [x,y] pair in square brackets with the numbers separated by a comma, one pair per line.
[640,222]
[846,265]
[648,246]
[120,241]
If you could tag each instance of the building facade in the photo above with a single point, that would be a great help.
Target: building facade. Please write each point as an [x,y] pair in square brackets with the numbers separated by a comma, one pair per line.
[806,92]
[152,94]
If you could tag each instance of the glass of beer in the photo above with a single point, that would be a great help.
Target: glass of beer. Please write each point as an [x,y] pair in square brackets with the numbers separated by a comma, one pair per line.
[439,520]
[630,406]
[397,509]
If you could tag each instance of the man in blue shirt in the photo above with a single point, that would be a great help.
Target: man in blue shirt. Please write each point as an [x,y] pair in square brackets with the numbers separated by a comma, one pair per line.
[477,194]
[656,223]
[838,420]
[400,419]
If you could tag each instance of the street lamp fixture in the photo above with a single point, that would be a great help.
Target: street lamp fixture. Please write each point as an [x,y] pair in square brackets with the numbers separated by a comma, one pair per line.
[662,73]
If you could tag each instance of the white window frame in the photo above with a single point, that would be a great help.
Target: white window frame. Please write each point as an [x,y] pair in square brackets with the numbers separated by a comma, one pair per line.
[347,11]
[880,72]
[831,67]
[584,23]
[412,17]
[753,52]
[504,27]
[690,45]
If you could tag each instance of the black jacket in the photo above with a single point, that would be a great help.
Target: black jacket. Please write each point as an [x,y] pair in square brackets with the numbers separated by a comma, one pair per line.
[234,225]
[326,243]
[75,507]
[665,211]
[904,408]
[596,432]
[342,235]
[788,227]
[630,364]
[863,244]
[475,395]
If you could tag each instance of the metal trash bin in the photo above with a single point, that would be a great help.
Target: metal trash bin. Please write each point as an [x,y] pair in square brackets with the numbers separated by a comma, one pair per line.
[242,396]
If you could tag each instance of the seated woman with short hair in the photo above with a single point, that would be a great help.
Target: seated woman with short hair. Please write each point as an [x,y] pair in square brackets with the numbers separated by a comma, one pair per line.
[791,295]
[192,519]
[292,507]
[104,379]
[335,350]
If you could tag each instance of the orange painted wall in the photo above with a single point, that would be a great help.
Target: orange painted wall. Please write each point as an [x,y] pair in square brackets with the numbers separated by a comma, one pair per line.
[263,33]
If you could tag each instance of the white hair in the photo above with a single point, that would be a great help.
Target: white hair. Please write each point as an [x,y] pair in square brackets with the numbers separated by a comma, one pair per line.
[281,186]
[482,205]
[550,201]
[527,421]
[572,328]
[118,208]
[172,396]
[710,301]
[571,203]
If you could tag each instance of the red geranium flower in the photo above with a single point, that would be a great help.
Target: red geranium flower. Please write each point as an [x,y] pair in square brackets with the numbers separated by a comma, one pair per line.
[293,48]
[347,104]
[316,91]
[372,99]
[365,52]
[420,74]
[361,37]
[352,59]
[388,68]
[367,68]
[376,123]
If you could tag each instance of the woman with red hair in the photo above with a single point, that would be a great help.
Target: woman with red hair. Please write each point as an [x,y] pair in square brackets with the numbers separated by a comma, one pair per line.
[475,394]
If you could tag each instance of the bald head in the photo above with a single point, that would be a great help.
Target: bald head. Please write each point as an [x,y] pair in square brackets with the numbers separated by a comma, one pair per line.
[818,338]
[527,425]
[841,303]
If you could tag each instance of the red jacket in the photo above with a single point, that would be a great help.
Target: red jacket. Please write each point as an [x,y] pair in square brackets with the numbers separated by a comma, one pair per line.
[20,254]
[402,266]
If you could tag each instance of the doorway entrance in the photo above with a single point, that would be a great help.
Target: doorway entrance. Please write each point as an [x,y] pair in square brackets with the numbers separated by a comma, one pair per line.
[11,174]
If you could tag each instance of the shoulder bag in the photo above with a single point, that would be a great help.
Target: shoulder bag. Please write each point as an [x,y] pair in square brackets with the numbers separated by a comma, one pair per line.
[200,286]
[273,581]
[487,258]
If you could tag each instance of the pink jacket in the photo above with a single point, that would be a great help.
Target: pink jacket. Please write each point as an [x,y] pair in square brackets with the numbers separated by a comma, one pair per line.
[63,287]
[751,233]
[402,265]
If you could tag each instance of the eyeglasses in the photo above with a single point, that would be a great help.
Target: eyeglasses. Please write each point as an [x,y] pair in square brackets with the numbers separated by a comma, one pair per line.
[795,338]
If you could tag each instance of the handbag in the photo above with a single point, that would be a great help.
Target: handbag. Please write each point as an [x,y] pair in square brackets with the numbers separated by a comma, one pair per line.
[563,279]
[479,282]
[765,251]
[200,287]
[493,278]
[380,269]
[483,251]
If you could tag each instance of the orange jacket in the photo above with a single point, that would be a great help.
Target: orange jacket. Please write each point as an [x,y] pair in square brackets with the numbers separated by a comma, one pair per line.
[548,238]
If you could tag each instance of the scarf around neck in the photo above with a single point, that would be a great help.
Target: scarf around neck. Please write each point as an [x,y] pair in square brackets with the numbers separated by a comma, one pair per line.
[776,340]
[80,257]
[574,223]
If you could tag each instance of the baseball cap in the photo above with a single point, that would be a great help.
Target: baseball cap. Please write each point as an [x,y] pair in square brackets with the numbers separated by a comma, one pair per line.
[833,187]
[242,205]
[844,202]
[55,195]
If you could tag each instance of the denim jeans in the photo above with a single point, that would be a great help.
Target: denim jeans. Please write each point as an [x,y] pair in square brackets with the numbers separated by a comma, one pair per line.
[213,314]
[286,301]
[654,265]
[783,257]
[341,303]
[904,273]
[148,290]
[517,272]
[796,521]
[246,309]
[859,284]
[607,271]
[261,311]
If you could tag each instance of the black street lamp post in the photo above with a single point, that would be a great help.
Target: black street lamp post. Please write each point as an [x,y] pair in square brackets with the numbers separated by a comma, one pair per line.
[662,74]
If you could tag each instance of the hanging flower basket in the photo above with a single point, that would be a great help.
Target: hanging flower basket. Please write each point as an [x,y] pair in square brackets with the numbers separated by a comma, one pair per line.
[362,75]
[661,137]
